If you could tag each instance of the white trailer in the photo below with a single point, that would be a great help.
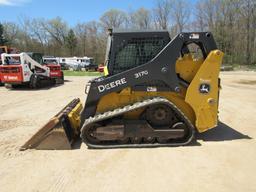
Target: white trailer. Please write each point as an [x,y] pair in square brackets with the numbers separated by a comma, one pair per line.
[78,63]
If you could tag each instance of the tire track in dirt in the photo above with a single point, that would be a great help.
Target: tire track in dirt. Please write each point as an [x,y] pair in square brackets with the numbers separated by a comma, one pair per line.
[9,149]
[14,123]
[12,135]
[95,164]
[61,182]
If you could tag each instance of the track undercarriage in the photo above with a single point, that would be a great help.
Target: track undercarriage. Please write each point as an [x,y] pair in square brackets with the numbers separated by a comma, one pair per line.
[161,124]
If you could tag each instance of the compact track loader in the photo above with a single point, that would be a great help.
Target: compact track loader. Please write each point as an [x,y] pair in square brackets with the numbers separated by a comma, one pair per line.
[28,69]
[155,92]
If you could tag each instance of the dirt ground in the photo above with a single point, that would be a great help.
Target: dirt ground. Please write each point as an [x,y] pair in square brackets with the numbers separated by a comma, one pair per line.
[222,160]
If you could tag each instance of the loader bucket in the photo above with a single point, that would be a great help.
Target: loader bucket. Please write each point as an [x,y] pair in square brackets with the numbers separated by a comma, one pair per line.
[60,132]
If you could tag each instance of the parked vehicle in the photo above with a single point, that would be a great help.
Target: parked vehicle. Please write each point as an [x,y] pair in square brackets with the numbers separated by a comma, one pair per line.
[101,68]
[28,69]
[78,63]
[55,68]
[163,97]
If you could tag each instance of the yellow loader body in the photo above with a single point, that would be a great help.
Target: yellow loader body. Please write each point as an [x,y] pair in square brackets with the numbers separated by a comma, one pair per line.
[155,92]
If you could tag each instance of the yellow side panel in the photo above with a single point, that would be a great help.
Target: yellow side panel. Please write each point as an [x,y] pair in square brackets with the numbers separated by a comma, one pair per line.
[187,67]
[205,105]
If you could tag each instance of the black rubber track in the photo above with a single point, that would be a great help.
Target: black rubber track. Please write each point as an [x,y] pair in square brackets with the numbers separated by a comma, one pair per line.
[120,111]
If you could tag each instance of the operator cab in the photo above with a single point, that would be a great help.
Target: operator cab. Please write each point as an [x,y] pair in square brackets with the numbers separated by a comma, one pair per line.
[38,57]
[129,49]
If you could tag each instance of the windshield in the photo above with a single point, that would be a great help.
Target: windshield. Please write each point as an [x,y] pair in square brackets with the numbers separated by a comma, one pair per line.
[50,61]
[91,61]
[37,57]
[12,60]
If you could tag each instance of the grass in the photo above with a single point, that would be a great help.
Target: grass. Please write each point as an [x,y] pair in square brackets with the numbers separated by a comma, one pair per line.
[236,67]
[81,73]
[244,67]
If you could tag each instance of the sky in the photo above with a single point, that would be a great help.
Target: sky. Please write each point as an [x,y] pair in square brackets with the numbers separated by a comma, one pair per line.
[72,11]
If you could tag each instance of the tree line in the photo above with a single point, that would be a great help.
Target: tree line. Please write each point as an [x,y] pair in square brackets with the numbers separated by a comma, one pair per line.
[233,23]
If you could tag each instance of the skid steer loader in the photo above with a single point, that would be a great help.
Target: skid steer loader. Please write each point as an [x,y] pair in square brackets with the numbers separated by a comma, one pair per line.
[27,68]
[156,91]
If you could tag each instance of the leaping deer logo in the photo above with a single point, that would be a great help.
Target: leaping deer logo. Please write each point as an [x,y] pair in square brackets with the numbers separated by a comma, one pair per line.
[204,88]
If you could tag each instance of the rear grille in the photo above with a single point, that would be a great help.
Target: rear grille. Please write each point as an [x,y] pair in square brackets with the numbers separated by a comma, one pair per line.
[10,70]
